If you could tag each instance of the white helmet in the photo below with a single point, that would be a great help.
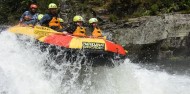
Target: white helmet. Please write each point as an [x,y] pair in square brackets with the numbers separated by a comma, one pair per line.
[52,5]
[78,18]
[40,16]
[93,20]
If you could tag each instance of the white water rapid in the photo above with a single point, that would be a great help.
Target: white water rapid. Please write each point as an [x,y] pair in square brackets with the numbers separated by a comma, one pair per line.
[23,71]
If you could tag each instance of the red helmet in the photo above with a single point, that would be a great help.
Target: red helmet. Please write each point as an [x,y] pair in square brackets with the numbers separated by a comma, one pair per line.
[33,6]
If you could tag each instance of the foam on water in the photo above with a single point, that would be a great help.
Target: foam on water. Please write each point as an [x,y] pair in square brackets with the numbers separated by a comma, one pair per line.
[20,68]
[22,71]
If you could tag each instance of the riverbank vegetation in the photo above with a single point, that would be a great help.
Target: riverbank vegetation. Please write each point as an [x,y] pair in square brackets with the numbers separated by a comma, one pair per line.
[10,10]
[136,8]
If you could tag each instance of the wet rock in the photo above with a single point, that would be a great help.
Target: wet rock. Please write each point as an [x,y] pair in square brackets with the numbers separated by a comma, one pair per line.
[101,11]
[157,37]
[163,55]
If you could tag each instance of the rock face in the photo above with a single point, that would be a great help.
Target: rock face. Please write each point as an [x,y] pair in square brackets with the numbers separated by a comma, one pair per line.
[154,37]
[147,30]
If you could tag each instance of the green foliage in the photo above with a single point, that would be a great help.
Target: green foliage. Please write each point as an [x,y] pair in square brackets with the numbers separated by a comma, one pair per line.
[113,18]
[147,7]
[7,8]
[11,10]
[154,9]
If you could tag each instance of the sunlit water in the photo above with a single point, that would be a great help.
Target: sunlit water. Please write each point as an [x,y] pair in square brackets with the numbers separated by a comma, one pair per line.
[24,69]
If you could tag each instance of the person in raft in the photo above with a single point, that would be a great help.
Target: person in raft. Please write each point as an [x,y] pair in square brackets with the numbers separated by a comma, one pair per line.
[93,27]
[76,27]
[40,16]
[29,17]
[51,18]
[62,22]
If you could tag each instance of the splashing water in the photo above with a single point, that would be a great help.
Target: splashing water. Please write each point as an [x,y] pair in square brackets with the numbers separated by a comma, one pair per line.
[24,69]
[20,68]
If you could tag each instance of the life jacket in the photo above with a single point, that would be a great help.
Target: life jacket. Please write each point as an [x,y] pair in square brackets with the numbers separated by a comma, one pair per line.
[79,31]
[97,32]
[55,23]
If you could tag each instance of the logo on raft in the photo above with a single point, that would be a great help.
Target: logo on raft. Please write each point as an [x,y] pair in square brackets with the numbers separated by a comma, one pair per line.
[93,45]
[41,33]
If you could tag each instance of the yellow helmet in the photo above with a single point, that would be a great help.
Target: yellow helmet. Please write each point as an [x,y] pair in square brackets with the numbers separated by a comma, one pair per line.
[78,18]
[40,16]
[52,5]
[93,20]
[61,20]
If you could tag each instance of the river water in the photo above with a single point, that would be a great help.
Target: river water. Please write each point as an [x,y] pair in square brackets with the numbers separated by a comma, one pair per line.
[24,69]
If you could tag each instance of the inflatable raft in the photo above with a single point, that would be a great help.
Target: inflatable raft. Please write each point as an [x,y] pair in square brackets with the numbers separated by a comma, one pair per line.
[90,45]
